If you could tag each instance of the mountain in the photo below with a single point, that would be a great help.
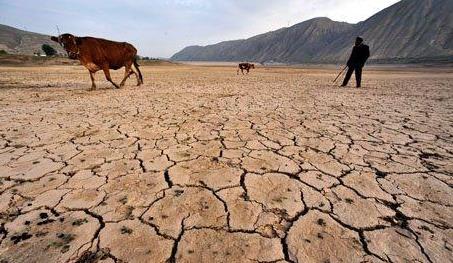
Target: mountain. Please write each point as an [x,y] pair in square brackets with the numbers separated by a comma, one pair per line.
[410,30]
[16,41]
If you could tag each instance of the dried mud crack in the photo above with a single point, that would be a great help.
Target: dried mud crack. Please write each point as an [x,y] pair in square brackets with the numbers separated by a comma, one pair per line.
[200,165]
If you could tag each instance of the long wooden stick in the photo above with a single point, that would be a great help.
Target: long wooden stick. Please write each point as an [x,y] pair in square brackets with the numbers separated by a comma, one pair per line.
[341,72]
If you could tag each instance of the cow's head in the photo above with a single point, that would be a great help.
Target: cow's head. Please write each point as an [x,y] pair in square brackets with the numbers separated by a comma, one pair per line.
[70,43]
[252,66]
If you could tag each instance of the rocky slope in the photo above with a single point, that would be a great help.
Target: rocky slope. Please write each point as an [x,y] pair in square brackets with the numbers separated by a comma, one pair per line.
[16,41]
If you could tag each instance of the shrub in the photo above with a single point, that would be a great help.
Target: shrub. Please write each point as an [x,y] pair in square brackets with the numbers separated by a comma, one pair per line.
[48,50]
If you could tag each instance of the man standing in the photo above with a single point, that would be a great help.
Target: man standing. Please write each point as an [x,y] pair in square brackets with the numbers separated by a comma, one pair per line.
[360,54]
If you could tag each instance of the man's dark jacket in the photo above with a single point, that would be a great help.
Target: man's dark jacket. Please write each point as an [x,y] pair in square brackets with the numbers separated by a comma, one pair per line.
[359,56]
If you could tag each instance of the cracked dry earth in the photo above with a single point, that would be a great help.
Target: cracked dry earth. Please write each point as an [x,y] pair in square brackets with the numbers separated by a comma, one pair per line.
[201,165]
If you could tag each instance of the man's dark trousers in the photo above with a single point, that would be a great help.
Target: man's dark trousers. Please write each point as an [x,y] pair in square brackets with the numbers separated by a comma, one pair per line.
[358,75]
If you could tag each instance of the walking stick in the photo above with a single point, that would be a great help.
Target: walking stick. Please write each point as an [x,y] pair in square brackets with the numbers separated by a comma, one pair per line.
[341,72]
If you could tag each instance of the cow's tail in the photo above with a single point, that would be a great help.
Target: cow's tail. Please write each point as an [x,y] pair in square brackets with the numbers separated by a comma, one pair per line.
[136,65]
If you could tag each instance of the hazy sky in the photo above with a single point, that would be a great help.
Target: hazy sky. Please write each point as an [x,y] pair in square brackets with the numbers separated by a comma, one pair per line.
[161,28]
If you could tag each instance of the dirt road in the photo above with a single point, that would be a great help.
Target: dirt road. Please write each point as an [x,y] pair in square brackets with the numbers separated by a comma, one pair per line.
[202,165]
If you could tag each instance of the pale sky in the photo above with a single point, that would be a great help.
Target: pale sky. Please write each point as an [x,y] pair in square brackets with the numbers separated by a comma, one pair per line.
[162,28]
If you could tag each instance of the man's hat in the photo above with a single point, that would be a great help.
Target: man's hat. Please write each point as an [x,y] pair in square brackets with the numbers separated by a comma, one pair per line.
[359,39]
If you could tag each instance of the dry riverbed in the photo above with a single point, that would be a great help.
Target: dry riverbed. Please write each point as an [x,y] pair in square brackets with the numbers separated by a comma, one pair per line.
[202,165]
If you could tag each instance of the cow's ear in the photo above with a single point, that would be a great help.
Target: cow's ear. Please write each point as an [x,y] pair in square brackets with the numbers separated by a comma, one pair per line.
[78,41]
[54,39]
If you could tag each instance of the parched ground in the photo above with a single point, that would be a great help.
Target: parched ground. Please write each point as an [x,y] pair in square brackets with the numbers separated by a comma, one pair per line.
[202,165]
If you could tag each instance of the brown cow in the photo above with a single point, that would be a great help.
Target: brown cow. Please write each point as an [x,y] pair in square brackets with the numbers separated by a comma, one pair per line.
[245,66]
[101,54]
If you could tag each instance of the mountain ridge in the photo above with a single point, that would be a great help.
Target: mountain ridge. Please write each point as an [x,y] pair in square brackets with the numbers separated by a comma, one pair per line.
[407,30]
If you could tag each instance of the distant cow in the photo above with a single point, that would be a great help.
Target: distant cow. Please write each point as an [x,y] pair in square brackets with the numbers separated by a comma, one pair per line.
[101,54]
[245,66]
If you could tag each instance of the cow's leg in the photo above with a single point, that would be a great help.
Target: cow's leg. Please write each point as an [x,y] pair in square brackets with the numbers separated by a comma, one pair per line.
[242,71]
[108,77]
[248,70]
[127,74]
[137,75]
[93,86]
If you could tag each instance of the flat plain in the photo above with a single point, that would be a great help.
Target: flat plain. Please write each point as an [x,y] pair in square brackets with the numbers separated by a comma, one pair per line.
[202,165]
